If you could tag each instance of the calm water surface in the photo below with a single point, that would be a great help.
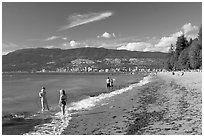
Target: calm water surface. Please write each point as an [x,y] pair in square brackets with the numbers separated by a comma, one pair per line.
[20,91]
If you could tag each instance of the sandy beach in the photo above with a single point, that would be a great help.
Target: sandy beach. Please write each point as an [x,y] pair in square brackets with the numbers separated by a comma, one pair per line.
[168,105]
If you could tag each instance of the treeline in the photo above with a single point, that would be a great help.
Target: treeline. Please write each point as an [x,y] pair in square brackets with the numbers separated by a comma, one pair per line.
[185,55]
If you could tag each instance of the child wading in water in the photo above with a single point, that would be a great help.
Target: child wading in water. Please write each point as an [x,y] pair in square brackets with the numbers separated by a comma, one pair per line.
[62,100]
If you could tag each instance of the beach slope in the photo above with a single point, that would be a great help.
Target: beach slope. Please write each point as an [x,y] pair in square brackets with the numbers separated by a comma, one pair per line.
[168,105]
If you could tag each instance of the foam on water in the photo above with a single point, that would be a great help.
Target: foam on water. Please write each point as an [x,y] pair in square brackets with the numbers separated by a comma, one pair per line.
[92,101]
[60,122]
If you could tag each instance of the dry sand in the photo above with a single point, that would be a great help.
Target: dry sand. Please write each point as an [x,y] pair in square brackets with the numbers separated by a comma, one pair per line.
[169,105]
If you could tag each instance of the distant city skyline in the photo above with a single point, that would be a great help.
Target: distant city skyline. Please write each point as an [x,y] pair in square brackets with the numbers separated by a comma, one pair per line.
[135,26]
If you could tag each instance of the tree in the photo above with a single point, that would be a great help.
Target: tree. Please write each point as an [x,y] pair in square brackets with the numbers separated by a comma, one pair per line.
[173,61]
[187,55]
[181,44]
[183,60]
[168,64]
[195,55]
[171,49]
[190,41]
[200,33]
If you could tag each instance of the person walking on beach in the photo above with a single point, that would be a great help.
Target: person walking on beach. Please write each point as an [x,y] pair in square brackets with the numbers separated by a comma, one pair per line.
[43,99]
[108,84]
[62,100]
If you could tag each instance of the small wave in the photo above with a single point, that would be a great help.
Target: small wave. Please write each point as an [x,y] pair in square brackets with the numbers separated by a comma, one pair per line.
[55,127]
[92,101]
[16,115]
[60,122]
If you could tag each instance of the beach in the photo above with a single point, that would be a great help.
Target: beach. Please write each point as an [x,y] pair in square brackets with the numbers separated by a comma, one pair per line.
[141,104]
[167,105]
[101,68]
[22,115]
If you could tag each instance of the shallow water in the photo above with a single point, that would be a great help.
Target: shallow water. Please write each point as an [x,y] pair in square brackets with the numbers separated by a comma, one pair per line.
[20,96]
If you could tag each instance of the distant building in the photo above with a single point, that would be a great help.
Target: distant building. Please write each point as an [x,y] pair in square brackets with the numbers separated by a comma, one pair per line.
[106,70]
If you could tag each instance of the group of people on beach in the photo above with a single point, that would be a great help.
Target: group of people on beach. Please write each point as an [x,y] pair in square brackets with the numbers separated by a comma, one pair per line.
[44,103]
[109,83]
[63,96]
[179,73]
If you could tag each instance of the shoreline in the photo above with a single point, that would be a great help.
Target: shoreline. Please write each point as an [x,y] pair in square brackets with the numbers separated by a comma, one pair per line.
[98,73]
[22,125]
[169,105]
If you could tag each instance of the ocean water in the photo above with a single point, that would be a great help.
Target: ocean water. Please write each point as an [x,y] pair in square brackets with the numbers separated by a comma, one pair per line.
[21,104]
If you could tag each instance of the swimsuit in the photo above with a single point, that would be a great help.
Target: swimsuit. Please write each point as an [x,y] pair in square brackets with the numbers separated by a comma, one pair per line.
[63,100]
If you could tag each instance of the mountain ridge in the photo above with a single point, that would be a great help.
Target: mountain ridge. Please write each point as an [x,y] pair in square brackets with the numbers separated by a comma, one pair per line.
[30,57]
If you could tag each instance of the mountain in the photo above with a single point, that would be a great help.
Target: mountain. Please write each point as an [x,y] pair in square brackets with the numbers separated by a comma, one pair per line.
[37,58]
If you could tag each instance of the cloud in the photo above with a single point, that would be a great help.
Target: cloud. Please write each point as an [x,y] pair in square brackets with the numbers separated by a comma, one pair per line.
[113,34]
[101,43]
[49,46]
[187,29]
[152,44]
[161,46]
[73,43]
[9,47]
[190,31]
[64,38]
[46,39]
[80,19]
[106,35]
[51,38]
[142,46]
[64,44]
[165,42]
[135,46]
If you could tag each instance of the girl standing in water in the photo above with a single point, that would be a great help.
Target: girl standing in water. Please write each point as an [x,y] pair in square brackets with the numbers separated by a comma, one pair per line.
[62,100]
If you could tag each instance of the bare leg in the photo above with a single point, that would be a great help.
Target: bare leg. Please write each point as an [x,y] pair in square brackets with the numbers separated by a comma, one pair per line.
[42,105]
[47,106]
[63,109]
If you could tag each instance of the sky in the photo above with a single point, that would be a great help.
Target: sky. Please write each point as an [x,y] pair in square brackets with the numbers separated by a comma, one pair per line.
[133,26]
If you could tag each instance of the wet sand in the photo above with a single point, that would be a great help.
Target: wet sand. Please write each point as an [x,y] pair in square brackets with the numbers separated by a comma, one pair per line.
[169,105]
